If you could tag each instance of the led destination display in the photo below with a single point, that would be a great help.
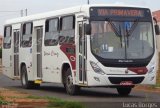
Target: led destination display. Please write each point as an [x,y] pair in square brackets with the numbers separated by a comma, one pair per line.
[119,12]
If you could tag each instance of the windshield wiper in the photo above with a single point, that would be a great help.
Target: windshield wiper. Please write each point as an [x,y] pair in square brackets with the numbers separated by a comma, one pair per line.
[133,26]
[114,28]
[116,31]
[120,36]
[129,32]
[127,36]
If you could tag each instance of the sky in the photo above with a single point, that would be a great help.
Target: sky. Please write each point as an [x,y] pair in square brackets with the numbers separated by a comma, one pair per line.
[11,8]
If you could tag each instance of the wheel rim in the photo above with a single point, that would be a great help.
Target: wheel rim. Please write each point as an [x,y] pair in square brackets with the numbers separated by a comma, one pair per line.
[69,83]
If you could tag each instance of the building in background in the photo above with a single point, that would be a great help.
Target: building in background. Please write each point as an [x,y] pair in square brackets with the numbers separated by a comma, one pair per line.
[156,14]
[1,41]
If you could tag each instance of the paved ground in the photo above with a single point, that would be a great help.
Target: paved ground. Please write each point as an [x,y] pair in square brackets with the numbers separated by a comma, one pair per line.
[92,97]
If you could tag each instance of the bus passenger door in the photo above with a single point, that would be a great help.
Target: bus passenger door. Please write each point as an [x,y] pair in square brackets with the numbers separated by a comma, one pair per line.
[81,56]
[37,50]
[16,53]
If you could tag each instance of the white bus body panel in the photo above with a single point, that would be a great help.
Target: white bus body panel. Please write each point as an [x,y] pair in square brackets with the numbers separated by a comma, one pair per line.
[8,56]
[36,24]
[7,63]
[25,56]
[51,65]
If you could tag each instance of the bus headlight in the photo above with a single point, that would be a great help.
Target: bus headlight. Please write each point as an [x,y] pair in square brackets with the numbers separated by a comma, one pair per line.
[151,69]
[96,68]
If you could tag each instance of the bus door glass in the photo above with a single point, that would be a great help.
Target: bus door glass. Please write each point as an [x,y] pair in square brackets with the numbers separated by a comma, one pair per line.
[82,57]
[39,35]
[16,52]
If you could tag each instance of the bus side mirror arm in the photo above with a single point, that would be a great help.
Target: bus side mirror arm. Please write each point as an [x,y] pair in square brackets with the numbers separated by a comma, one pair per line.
[87,28]
[157,30]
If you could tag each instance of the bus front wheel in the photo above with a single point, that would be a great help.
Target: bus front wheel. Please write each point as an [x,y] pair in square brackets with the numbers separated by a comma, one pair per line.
[71,89]
[124,91]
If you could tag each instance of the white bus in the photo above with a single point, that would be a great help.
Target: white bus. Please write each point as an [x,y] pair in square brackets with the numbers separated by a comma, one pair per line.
[85,46]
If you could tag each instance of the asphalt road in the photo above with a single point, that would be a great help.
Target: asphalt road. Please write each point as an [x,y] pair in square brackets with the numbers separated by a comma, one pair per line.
[91,97]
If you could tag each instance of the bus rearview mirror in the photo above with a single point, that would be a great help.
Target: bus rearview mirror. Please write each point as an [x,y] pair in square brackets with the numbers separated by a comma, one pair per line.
[157,30]
[87,29]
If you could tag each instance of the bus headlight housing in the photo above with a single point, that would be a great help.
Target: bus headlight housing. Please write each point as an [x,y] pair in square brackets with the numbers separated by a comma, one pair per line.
[96,68]
[151,69]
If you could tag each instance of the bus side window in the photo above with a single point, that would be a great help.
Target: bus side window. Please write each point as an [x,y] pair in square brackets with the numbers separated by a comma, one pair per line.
[67,33]
[7,37]
[27,35]
[51,32]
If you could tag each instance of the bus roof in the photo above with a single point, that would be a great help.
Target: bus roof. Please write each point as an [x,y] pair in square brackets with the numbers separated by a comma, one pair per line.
[57,13]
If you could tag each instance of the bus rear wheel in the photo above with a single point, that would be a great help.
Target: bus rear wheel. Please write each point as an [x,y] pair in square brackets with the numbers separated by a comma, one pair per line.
[124,91]
[24,80]
[71,89]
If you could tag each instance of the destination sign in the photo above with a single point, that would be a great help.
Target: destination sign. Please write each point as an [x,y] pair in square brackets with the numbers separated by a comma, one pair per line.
[119,12]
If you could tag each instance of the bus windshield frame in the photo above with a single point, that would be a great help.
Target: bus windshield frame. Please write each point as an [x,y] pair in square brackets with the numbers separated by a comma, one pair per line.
[112,17]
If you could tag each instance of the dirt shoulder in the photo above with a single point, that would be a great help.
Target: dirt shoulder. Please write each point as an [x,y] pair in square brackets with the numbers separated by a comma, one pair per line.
[154,88]
[14,99]
[148,88]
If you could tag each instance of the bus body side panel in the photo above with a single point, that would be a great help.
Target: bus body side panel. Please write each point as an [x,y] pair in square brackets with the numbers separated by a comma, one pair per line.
[36,24]
[65,58]
[8,56]
[52,62]
[53,59]
[150,77]
[25,57]
[7,63]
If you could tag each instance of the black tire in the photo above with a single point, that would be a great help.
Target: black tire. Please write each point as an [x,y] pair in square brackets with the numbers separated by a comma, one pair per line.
[124,91]
[24,80]
[71,89]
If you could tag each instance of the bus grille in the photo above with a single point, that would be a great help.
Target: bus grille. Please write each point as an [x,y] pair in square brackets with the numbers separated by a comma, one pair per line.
[118,80]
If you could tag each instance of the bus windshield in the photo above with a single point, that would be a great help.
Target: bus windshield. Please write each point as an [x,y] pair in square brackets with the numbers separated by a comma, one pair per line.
[113,39]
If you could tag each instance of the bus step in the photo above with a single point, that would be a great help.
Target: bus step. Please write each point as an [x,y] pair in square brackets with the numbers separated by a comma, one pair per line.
[38,81]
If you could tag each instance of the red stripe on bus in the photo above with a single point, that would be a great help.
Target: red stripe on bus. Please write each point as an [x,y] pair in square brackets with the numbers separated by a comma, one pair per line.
[66,48]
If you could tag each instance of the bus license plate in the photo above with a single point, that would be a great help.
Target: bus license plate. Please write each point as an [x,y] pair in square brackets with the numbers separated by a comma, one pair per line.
[126,83]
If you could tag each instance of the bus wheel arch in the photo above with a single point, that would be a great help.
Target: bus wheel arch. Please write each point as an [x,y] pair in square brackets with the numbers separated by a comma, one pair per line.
[24,78]
[67,80]
[22,64]
[65,66]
